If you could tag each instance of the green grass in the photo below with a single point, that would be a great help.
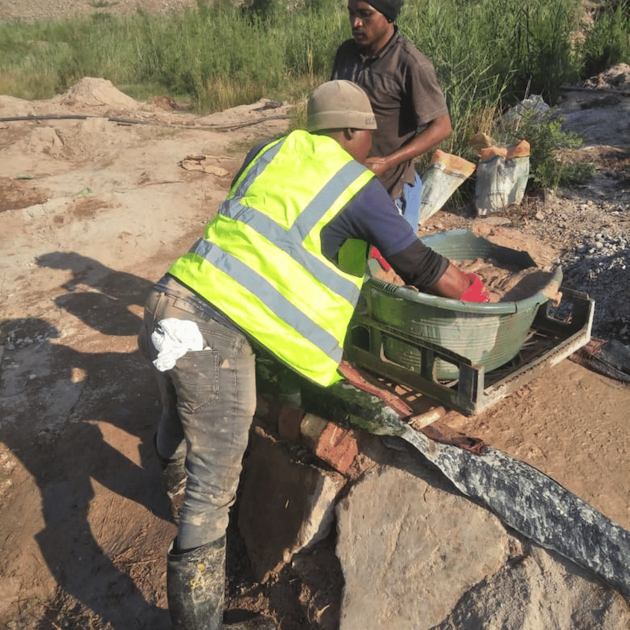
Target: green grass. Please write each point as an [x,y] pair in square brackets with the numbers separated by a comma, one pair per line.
[488,55]
[606,41]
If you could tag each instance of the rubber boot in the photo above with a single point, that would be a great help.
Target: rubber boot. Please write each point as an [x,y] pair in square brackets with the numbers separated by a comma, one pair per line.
[195,585]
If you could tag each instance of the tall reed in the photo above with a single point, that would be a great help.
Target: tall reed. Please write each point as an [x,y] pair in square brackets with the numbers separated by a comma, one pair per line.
[488,55]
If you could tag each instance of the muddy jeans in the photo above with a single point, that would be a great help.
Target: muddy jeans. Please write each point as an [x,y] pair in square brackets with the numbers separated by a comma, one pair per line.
[208,402]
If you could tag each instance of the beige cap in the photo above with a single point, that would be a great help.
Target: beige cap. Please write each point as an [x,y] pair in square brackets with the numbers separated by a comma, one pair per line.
[339,105]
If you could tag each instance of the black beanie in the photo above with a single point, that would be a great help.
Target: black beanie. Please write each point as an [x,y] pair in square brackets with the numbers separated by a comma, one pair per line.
[389,8]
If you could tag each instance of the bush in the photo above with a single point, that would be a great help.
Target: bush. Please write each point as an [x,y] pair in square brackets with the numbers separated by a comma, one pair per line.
[550,149]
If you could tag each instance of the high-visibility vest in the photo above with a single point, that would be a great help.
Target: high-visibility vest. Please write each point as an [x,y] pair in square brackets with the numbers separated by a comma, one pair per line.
[261,261]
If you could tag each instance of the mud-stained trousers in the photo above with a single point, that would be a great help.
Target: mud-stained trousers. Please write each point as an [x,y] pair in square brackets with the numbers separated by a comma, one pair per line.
[208,403]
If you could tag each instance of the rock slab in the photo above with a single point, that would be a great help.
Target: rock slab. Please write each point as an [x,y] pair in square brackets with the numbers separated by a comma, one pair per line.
[410,550]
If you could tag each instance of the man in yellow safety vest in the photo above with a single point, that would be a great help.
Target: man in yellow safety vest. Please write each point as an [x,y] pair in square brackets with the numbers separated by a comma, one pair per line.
[279,266]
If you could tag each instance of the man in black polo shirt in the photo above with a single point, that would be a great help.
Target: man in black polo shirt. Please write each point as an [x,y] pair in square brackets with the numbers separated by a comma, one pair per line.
[410,108]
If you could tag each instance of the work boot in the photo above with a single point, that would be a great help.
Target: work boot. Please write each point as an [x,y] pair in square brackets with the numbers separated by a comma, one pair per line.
[173,480]
[195,585]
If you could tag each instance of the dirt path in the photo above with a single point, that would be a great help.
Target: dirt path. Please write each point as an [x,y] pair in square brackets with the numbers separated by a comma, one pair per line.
[60,9]
[94,211]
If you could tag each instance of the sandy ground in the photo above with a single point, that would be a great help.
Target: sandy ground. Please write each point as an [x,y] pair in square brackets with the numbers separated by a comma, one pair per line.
[93,211]
[59,9]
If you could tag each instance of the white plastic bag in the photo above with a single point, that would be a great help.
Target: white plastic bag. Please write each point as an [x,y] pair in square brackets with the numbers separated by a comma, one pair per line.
[534,104]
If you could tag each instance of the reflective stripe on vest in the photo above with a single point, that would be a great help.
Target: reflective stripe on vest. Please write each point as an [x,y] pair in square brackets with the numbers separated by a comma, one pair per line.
[263,267]
[306,221]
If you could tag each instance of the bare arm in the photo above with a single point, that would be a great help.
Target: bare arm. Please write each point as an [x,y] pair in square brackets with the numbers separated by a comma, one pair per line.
[436,131]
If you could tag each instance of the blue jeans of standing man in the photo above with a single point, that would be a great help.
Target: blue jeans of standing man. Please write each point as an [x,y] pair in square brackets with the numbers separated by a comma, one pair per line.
[409,202]
[208,403]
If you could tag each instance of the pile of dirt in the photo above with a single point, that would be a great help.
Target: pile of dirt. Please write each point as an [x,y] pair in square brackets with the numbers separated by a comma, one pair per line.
[504,283]
[508,284]
[615,78]
[37,10]
[91,92]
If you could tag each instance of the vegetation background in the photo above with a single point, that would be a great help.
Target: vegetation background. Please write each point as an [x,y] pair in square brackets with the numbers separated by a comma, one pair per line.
[488,55]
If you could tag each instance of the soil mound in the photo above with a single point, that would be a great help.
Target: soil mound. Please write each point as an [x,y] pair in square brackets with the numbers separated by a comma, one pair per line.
[94,92]
[615,78]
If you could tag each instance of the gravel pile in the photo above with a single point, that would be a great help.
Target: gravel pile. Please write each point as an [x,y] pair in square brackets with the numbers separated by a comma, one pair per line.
[600,267]
[588,229]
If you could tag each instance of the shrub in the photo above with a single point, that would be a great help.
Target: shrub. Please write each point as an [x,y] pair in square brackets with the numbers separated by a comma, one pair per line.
[549,149]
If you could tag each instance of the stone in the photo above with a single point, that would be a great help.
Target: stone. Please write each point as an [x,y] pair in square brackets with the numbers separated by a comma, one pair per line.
[410,548]
[285,506]
[540,590]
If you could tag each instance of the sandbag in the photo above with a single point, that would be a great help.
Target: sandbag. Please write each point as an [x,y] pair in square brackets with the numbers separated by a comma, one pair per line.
[441,179]
[502,175]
